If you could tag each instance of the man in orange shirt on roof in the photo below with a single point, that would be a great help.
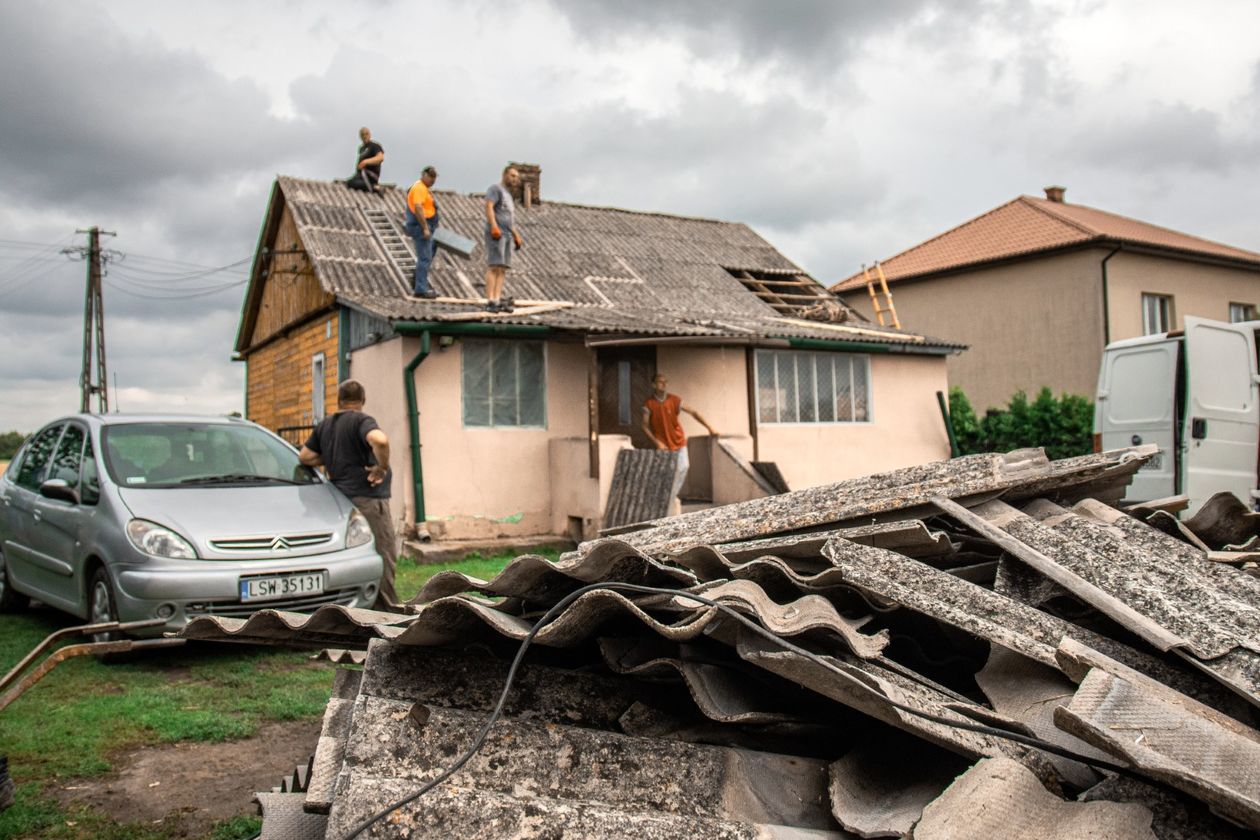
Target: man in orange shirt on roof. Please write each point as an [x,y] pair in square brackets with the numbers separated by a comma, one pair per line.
[421,221]
[660,423]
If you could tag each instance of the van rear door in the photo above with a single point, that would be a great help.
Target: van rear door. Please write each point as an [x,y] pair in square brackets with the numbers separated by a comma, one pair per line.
[1222,422]
[1136,404]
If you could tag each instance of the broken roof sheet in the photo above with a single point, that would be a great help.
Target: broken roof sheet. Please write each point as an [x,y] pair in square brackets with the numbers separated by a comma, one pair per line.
[888,632]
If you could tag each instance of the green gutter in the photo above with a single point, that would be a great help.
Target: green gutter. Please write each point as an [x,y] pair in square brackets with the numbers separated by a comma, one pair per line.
[468,328]
[413,422]
[866,347]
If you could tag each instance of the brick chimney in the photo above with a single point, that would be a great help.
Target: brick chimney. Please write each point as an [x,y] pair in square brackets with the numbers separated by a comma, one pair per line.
[528,193]
[1054,194]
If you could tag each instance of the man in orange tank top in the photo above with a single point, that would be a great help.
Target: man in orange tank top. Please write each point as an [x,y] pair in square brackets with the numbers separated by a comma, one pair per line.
[660,423]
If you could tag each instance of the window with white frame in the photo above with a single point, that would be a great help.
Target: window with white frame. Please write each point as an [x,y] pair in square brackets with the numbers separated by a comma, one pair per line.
[504,383]
[1156,314]
[1239,312]
[319,387]
[797,386]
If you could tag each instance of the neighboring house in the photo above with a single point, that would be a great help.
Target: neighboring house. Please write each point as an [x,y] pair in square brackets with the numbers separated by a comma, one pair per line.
[1037,287]
[520,417]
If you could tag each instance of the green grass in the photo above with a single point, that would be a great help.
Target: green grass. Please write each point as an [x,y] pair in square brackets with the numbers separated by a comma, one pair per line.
[73,723]
[411,575]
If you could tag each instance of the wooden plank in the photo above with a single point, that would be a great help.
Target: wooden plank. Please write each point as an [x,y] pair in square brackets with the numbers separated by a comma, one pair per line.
[484,301]
[516,313]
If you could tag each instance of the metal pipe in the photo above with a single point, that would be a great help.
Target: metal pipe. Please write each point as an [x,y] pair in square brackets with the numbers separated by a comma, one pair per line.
[954,451]
[413,427]
[1106,295]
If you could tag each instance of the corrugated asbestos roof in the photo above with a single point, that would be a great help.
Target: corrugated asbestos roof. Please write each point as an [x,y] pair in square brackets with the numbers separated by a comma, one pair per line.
[917,643]
[625,272]
[1028,226]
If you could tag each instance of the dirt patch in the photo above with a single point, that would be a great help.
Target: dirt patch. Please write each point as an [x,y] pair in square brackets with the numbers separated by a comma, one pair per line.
[190,786]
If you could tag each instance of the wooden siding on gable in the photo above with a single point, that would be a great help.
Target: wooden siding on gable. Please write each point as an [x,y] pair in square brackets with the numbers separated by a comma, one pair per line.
[291,293]
[280,383]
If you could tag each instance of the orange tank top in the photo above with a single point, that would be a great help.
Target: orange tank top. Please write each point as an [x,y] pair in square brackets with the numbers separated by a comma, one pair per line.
[663,420]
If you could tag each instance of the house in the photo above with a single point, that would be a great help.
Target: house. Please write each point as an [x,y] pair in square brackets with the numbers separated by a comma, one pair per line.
[1037,287]
[510,424]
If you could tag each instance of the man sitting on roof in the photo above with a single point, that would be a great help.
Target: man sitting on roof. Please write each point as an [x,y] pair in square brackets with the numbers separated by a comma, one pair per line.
[368,169]
[421,222]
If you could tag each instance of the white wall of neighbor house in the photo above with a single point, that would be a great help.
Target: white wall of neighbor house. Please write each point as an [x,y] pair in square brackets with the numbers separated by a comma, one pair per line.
[905,428]
[1198,289]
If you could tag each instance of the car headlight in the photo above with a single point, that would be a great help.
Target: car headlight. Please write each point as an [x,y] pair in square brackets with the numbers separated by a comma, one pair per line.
[358,532]
[158,541]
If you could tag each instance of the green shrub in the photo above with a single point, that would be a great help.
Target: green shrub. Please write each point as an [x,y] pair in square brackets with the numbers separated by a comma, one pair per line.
[10,442]
[1064,427]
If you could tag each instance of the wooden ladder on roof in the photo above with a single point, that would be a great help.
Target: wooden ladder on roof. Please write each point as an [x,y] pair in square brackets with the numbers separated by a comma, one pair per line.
[882,296]
[396,246]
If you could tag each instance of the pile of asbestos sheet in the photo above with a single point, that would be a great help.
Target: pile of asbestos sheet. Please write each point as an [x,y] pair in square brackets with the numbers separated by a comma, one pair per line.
[982,647]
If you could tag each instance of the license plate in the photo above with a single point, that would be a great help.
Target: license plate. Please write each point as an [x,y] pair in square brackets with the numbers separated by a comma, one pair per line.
[275,587]
[1156,463]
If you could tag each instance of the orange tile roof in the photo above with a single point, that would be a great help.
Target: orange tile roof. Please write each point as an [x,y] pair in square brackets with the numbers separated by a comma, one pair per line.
[1028,226]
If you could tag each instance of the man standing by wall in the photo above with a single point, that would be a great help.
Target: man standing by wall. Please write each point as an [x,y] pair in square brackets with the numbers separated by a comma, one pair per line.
[355,452]
[500,220]
[660,423]
[368,168]
[421,222]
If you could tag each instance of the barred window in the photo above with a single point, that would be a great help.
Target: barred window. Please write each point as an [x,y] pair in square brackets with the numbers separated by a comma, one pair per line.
[504,383]
[796,386]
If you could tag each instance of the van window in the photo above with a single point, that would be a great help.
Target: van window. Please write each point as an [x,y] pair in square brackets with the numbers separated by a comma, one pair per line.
[35,458]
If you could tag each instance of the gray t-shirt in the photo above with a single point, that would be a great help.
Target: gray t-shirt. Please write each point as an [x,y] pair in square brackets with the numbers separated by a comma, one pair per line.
[504,207]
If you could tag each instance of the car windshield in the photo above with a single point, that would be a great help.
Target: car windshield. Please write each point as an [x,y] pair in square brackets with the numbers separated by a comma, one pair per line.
[199,455]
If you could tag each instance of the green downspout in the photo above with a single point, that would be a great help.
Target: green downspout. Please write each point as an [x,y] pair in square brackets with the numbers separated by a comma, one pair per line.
[343,344]
[245,396]
[413,423]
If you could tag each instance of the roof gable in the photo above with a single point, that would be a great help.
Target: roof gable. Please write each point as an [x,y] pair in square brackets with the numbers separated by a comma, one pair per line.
[1030,226]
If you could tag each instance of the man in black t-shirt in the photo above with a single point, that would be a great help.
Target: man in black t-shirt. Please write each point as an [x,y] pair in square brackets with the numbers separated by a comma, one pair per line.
[368,168]
[355,452]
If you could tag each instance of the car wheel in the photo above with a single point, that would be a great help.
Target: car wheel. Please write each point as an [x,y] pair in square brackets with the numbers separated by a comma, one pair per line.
[102,609]
[10,599]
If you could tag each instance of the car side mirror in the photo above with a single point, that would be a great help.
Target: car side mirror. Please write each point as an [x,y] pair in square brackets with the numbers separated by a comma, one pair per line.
[59,489]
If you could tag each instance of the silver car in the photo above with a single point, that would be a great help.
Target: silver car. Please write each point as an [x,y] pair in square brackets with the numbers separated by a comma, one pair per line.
[118,517]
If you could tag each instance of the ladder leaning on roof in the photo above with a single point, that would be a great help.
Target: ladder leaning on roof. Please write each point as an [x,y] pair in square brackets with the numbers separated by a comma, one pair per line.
[887,308]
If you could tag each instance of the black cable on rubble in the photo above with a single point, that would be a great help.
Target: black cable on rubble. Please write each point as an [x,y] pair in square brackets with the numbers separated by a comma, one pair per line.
[479,741]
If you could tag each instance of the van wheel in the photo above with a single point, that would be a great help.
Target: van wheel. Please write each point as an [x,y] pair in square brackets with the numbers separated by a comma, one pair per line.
[102,609]
[10,599]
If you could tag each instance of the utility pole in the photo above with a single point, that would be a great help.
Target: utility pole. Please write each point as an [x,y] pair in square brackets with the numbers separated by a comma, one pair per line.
[93,323]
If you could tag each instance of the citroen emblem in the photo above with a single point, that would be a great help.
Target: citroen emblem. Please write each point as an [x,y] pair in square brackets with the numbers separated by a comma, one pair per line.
[280,544]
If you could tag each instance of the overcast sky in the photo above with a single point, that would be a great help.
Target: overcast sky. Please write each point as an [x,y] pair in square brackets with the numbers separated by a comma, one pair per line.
[842,131]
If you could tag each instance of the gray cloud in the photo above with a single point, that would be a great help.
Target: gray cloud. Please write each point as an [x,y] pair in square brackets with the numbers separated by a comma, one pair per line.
[1161,137]
[97,118]
[816,33]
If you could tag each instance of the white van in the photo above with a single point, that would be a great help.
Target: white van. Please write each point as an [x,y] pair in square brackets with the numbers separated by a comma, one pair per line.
[1194,393]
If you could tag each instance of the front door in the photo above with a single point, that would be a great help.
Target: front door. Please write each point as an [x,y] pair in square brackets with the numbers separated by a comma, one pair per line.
[625,383]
